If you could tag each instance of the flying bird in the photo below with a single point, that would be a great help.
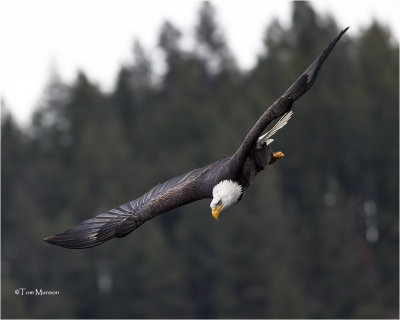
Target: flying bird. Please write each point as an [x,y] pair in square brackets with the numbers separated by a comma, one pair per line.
[224,181]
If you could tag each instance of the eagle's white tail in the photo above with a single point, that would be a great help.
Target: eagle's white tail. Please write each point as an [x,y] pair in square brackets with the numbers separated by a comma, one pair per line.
[280,124]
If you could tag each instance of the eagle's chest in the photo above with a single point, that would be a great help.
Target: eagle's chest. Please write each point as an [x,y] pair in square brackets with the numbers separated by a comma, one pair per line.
[257,160]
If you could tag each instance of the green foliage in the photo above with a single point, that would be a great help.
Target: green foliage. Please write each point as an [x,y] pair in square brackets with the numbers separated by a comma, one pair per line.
[316,235]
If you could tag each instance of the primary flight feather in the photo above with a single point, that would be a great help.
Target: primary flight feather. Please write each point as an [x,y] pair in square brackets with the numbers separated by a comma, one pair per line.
[223,181]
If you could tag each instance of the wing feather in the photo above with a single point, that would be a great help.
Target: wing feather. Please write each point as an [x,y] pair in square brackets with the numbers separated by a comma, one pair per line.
[279,125]
[119,222]
[283,104]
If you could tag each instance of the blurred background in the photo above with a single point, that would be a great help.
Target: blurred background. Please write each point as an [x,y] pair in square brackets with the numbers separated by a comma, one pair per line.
[316,235]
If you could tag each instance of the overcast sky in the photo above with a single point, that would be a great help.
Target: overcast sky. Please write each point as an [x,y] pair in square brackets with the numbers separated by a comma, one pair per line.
[97,35]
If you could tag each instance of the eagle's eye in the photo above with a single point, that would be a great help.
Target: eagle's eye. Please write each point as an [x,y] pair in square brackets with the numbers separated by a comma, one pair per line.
[219,202]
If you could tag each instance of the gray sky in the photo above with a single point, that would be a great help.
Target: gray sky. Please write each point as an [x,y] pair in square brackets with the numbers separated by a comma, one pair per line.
[39,35]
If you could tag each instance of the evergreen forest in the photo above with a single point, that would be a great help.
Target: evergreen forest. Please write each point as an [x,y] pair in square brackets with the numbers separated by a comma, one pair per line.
[315,236]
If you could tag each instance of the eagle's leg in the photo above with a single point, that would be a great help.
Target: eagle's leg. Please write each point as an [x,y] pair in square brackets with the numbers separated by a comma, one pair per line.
[276,156]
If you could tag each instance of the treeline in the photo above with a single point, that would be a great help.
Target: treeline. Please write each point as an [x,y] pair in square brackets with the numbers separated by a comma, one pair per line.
[315,236]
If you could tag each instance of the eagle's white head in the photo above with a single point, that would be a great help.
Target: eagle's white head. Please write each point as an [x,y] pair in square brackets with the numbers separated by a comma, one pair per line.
[225,194]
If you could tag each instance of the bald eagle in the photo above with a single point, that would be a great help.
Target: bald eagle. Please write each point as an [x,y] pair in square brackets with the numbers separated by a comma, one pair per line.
[223,181]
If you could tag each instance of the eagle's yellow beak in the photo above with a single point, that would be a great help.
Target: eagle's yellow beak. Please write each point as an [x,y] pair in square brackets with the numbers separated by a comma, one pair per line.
[216,210]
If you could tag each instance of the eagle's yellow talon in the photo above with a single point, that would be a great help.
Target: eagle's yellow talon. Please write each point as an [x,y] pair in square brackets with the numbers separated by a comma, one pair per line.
[276,156]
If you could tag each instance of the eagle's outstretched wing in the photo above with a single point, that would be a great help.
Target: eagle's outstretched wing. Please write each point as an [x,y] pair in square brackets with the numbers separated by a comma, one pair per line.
[285,102]
[121,221]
